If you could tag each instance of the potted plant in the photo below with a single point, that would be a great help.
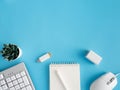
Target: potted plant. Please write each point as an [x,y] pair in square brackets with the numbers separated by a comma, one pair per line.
[11,52]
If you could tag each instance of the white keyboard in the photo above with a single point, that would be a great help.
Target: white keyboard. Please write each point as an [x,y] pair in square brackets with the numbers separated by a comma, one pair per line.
[16,78]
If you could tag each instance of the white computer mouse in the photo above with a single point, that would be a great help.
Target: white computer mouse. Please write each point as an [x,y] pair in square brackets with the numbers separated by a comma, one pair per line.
[106,82]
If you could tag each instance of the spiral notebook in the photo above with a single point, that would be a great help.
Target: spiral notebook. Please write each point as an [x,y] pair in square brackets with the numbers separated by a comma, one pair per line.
[64,76]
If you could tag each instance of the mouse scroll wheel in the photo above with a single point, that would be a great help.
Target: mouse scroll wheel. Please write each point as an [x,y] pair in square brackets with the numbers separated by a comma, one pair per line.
[110,81]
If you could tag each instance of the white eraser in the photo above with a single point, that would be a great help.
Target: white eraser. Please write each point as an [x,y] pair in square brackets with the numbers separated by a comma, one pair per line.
[44,57]
[93,57]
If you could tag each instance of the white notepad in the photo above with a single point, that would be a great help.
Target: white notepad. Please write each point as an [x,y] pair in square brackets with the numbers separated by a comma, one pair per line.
[64,76]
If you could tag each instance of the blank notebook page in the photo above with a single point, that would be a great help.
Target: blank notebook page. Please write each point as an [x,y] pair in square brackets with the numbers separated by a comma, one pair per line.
[64,76]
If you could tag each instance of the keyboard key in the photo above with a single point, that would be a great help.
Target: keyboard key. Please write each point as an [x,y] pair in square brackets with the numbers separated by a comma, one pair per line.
[1,88]
[17,87]
[25,79]
[23,73]
[29,87]
[8,80]
[13,78]
[2,82]
[1,76]
[12,88]
[22,85]
[24,89]
[18,75]
[15,82]
[5,87]
[20,80]
[10,84]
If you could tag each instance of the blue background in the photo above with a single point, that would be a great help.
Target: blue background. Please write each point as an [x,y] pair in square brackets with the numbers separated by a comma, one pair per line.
[66,28]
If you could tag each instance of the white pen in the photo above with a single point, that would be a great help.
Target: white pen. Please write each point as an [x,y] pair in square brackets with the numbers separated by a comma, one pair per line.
[61,79]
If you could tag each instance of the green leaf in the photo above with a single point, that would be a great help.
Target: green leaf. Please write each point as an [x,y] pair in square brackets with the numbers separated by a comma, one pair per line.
[10,51]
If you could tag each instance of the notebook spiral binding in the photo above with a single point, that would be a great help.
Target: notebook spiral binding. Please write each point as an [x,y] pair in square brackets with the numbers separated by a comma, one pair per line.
[64,63]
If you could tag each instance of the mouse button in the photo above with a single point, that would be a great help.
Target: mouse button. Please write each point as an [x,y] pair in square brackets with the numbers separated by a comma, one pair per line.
[113,82]
[99,85]
[108,76]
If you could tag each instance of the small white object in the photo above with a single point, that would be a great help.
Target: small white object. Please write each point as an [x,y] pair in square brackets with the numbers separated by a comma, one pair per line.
[15,82]
[25,80]
[22,85]
[61,79]
[94,57]
[44,57]
[13,78]
[17,87]
[29,88]
[5,87]
[64,76]
[10,84]
[8,80]
[18,75]
[1,88]
[2,82]
[1,76]
[107,81]
[20,80]
[23,73]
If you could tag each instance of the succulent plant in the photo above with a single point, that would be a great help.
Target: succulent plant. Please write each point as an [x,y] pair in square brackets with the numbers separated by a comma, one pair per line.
[10,51]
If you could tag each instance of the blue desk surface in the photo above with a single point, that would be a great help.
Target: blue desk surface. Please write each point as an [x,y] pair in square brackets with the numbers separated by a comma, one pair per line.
[66,28]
